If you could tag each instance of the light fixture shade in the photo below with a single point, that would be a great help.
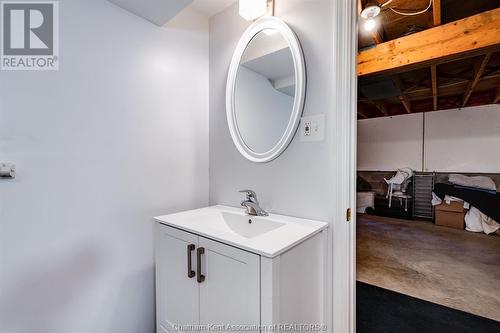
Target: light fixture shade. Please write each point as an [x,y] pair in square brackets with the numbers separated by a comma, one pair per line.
[371,10]
[252,9]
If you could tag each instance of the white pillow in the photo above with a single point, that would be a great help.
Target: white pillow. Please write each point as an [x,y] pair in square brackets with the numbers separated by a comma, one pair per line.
[481,182]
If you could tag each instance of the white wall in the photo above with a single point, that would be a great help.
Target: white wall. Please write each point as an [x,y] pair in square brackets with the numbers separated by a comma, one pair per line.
[390,143]
[115,137]
[298,182]
[457,140]
[466,140]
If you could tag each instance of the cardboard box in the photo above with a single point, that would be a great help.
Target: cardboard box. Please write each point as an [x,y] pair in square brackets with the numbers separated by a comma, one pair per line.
[450,215]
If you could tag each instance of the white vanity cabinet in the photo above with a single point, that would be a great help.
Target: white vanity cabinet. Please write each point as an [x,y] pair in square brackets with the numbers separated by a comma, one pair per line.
[203,277]
[176,295]
[230,294]
[228,291]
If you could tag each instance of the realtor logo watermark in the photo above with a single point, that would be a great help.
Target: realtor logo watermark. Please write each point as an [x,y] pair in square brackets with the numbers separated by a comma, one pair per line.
[29,35]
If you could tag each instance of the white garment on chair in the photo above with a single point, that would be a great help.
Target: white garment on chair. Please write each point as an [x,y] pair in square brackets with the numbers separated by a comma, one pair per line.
[396,183]
[400,176]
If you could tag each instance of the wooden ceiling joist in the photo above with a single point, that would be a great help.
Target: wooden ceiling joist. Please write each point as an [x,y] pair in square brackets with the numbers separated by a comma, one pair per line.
[418,83]
[434,87]
[402,98]
[436,20]
[477,76]
[496,99]
[406,103]
[455,87]
[381,107]
[362,115]
[470,36]
[445,103]
[378,104]
[361,112]
[436,12]
[376,36]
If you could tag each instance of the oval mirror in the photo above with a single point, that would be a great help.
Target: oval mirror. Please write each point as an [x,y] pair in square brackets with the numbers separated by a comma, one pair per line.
[265,90]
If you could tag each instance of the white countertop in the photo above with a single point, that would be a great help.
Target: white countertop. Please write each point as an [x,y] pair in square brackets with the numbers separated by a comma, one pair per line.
[228,224]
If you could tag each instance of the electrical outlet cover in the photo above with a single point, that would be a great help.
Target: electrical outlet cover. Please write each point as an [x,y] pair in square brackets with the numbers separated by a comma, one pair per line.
[312,128]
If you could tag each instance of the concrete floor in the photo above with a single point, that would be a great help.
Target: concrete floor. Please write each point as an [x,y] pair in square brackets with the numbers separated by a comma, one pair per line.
[454,268]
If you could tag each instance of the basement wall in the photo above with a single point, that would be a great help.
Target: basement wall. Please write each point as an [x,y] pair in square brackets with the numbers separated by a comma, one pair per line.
[456,140]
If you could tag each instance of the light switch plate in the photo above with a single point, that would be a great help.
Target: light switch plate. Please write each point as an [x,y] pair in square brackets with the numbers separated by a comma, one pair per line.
[312,128]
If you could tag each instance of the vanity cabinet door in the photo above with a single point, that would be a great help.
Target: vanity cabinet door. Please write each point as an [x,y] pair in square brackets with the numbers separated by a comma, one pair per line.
[176,288]
[230,291]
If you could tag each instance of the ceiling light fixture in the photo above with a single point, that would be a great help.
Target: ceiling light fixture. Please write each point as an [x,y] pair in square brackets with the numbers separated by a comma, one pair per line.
[252,9]
[373,9]
[370,11]
[370,25]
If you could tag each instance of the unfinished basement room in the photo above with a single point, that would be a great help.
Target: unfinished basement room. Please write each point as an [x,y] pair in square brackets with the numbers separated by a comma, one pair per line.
[428,166]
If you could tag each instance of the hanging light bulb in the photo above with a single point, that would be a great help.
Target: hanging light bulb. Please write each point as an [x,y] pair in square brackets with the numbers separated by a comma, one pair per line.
[370,24]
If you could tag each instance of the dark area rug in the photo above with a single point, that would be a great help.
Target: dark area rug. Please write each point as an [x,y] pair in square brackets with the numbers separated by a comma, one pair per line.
[382,310]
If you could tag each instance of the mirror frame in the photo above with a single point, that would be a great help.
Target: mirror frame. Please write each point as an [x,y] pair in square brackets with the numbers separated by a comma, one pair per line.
[300,89]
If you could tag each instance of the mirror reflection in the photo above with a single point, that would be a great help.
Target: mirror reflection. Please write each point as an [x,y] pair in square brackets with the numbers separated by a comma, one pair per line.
[264,91]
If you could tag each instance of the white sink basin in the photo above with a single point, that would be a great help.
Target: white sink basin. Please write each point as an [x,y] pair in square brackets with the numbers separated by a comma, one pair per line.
[249,226]
[268,236]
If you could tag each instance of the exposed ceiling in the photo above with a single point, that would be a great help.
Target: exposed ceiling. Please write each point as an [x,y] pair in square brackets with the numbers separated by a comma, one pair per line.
[158,12]
[392,25]
[211,7]
[466,79]
[453,84]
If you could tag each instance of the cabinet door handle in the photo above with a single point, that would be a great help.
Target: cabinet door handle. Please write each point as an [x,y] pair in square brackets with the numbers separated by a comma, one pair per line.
[190,248]
[200,277]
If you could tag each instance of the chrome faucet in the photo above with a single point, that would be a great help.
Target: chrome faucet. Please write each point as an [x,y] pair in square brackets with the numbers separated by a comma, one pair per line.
[252,204]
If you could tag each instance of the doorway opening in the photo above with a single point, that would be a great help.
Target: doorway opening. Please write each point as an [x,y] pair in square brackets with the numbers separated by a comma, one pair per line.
[428,177]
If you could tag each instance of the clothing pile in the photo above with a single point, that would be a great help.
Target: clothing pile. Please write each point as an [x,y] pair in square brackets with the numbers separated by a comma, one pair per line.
[397,185]
[479,195]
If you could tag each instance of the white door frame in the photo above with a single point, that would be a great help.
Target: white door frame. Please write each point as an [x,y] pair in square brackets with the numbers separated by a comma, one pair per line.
[343,161]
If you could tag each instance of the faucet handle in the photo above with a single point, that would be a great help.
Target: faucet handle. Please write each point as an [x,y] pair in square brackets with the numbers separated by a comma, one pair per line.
[250,194]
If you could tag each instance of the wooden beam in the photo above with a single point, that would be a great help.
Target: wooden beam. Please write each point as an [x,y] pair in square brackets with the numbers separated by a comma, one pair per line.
[406,103]
[376,36]
[436,20]
[445,102]
[417,84]
[447,88]
[402,98]
[378,104]
[434,86]
[362,115]
[381,107]
[464,38]
[477,75]
[362,112]
[496,99]
[436,12]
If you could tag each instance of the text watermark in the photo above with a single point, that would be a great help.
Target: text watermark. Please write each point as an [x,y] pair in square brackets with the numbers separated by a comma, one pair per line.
[29,35]
[251,328]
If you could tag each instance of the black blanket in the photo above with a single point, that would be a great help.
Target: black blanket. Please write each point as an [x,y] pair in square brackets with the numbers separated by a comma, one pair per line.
[487,203]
